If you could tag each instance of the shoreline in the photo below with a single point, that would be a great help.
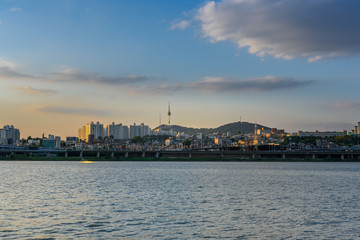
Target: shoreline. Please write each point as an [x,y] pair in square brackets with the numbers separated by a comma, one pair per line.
[164,159]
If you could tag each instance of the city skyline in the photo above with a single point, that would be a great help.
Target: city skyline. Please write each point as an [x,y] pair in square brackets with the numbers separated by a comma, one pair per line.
[67,63]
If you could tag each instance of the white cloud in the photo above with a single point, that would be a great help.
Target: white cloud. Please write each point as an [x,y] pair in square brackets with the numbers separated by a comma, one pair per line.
[15,9]
[316,30]
[5,63]
[183,24]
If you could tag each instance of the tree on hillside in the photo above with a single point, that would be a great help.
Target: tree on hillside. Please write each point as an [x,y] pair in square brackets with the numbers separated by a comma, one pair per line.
[187,142]
[137,139]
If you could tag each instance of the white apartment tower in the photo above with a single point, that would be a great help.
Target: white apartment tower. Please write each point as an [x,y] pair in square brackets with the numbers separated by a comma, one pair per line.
[9,135]
[139,130]
[118,131]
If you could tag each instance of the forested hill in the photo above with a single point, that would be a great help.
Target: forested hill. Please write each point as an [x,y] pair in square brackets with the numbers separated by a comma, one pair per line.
[243,127]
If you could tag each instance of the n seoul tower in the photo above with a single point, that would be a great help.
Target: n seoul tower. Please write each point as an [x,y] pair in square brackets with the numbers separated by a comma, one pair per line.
[169,114]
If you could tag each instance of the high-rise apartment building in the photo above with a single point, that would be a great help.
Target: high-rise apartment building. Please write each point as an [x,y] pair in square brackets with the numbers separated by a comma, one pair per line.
[139,130]
[134,130]
[57,142]
[356,129]
[9,135]
[97,130]
[144,130]
[117,131]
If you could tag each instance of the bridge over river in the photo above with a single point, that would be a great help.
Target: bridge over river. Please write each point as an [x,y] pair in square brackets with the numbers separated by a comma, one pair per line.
[186,155]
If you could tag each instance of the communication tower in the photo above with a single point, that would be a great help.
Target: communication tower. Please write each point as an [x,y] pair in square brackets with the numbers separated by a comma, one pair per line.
[169,114]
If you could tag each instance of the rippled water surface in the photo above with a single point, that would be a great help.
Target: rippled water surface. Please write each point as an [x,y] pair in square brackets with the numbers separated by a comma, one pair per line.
[179,200]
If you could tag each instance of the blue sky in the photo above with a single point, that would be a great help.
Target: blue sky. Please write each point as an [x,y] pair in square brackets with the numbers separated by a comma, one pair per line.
[286,64]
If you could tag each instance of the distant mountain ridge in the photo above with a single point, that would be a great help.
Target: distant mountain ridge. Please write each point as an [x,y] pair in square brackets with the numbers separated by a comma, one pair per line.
[243,127]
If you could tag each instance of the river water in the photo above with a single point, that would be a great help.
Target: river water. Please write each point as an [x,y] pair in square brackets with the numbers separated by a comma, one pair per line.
[179,200]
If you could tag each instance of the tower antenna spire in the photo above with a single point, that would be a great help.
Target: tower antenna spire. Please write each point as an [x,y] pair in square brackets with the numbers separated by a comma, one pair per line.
[169,114]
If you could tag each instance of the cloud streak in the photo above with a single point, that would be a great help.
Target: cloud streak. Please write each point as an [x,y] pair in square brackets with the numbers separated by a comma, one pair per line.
[70,75]
[264,84]
[35,91]
[74,111]
[315,30]
[162,89]
[6,72]
[345,105]
[213,85]
[140,84]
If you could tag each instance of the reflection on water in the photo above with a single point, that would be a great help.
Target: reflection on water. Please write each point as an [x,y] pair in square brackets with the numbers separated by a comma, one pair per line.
[178,200]
[85,161]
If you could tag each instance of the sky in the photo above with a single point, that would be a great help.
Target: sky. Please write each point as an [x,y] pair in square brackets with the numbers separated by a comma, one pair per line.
[289,64]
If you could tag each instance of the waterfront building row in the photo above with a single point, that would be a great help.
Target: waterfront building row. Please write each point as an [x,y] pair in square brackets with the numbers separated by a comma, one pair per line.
[321,134]
[93,131]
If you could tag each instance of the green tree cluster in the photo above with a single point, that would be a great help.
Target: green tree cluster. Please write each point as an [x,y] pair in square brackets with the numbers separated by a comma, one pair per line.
[187,142]
[137,139]
[347,140]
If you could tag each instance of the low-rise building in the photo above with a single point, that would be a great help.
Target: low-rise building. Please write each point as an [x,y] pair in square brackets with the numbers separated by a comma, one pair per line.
[48,143]
[321,134]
